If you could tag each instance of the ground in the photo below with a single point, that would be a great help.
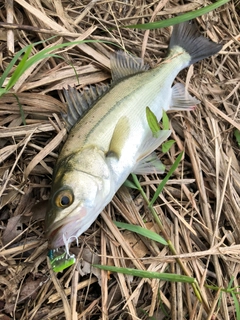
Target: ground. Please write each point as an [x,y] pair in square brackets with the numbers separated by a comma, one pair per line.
[199,207]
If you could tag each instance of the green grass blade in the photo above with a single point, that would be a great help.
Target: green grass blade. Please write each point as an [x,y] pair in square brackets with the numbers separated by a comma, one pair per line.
[21,110]
[237,136]
[13,61]
[236,303]
[230,283]
[135,180]
[142,231]
[167,145]
[10,65]
[130,184]
[147,274]
[27,62]
[165,121]
[152,122]
[46,53]
[164,181]
[19,70]
[184,17]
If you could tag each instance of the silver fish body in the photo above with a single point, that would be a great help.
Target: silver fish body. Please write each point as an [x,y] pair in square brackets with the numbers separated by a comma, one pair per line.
[113,138]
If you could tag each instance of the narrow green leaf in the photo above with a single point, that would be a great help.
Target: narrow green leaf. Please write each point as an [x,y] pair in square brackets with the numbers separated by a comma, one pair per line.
[19,70]
[11,64]
[135,180]
[14,59]
[130,184]
[2,91]
[46,53]
[152,122]
[164,181]
[167,145]
[147,274]
[236,303]
[237,136]
[182,18]
[230,283]
[27,62]
[142,231]
[165,121]
[37,57]
[21,110]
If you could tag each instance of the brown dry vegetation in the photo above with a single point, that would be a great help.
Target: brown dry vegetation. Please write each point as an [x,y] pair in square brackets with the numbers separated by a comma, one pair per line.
[199,207]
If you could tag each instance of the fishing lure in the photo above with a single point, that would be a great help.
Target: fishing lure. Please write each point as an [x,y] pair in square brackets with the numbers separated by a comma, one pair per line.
[60,259]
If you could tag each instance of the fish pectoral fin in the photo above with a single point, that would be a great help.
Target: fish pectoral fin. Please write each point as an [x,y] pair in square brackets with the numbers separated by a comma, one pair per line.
[149,165]
[79,103]
[124,65]
[151,143]
[181,99]
[119,138]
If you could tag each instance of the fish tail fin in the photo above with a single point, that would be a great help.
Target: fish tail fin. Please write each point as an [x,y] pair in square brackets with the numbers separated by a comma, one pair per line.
[187,36]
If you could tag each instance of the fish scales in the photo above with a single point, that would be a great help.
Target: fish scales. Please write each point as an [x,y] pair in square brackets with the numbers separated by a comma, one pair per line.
[130,97]
[110,136]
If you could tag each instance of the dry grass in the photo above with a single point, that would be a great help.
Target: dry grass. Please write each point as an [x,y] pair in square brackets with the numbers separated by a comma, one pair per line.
[199,207]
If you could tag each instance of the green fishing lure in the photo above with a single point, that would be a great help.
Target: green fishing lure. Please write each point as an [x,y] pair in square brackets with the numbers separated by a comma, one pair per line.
[60,259]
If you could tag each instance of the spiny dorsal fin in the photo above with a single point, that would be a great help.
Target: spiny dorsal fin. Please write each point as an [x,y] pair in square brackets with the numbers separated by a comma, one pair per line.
[124,65]
[79,103]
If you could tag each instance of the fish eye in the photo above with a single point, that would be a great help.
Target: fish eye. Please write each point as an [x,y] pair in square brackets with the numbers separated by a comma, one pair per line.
[64,199]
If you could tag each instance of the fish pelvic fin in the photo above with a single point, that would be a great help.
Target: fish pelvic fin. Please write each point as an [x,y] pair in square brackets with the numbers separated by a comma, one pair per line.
[187,36]
[147,161]
[149,165]
[80,102]
[151,143]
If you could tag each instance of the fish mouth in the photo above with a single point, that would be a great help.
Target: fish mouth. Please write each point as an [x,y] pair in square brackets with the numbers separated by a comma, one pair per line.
[56,234]
[65,231]
[52,235]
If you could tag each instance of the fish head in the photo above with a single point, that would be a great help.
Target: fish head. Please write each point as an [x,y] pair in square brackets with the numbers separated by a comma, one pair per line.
[74,204]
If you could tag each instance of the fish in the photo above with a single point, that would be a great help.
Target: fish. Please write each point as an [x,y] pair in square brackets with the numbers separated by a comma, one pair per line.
[109,135]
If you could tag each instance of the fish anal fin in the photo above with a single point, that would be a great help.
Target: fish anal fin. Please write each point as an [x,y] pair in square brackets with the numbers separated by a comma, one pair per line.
[124,65]
[80,102]
[119,137]
[181,99]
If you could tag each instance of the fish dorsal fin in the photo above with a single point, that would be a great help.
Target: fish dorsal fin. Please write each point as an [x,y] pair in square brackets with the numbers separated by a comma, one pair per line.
[124,65]
[79,103]
[181,99]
